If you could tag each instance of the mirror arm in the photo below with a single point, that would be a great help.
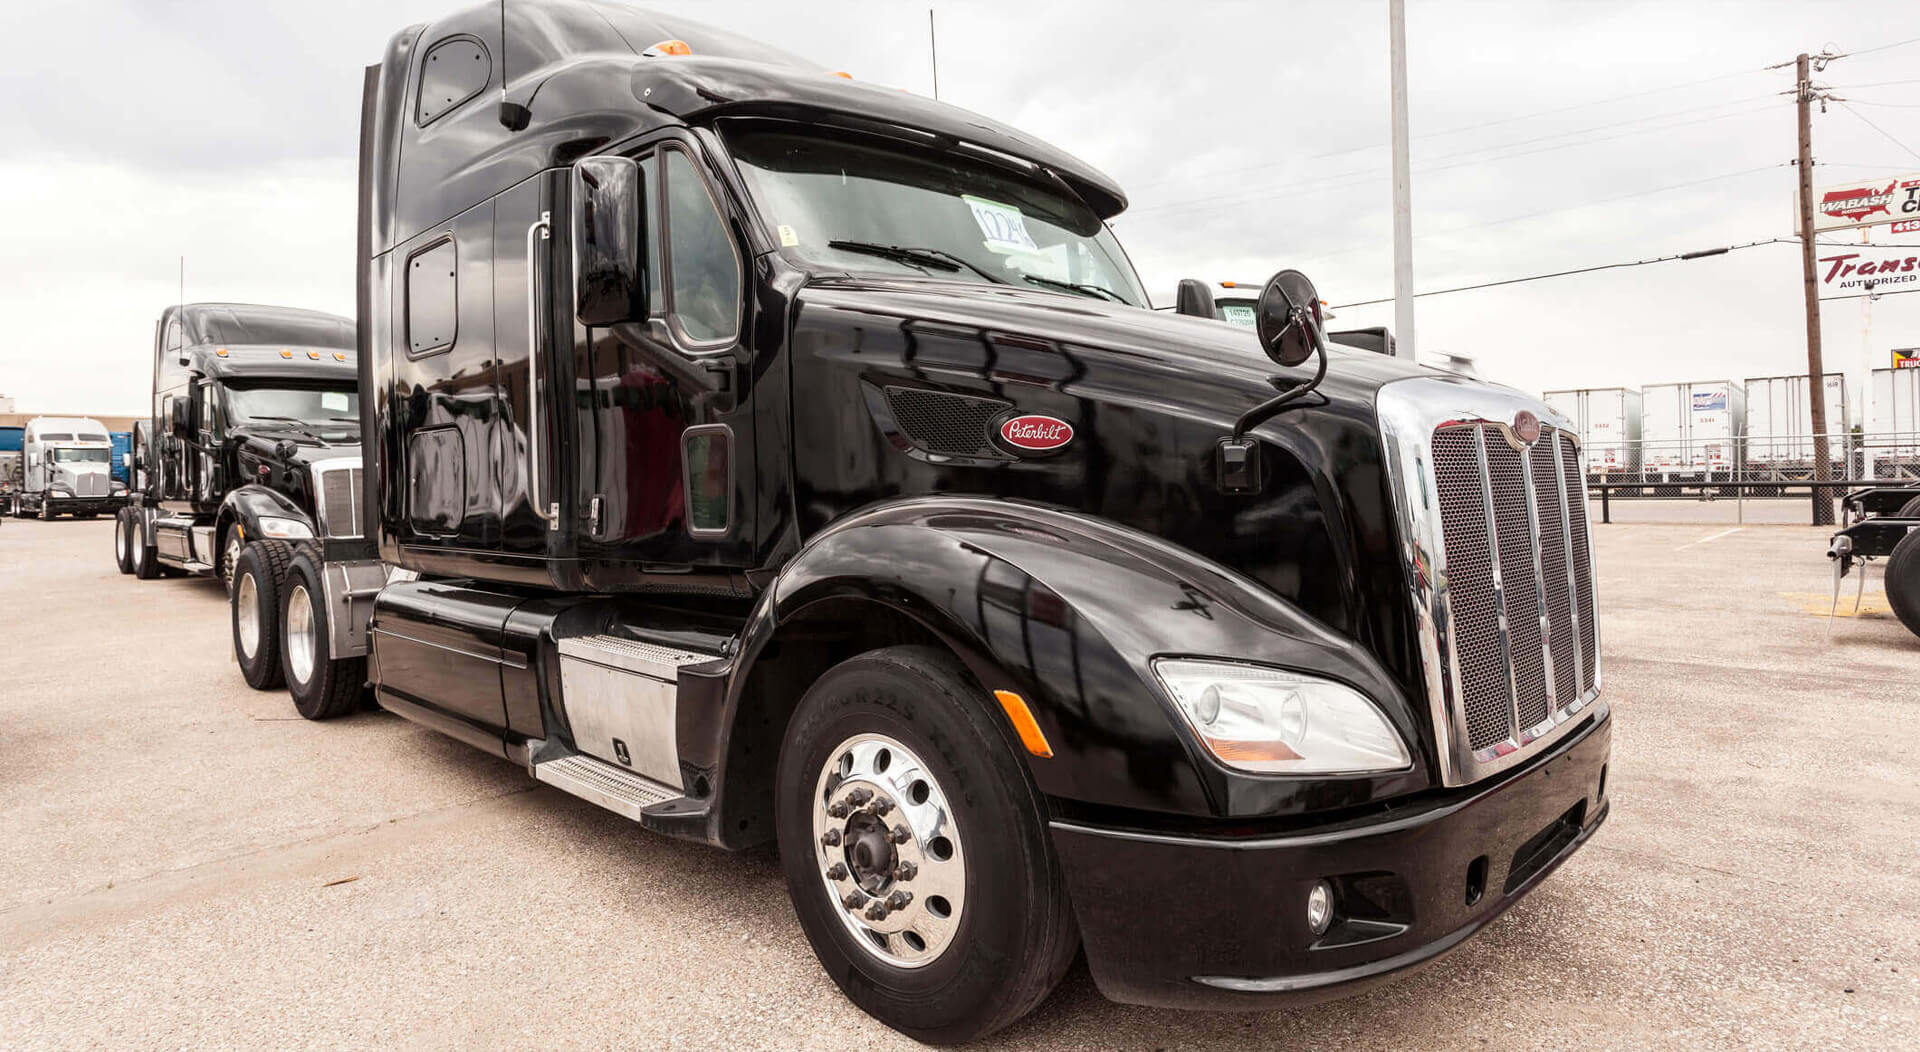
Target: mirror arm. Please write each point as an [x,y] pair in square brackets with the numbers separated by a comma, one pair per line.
[1272,407]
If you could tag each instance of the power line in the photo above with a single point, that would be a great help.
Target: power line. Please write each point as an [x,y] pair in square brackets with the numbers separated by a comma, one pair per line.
[1581,270]
[1882,47]
[1875,84]
[1888,135]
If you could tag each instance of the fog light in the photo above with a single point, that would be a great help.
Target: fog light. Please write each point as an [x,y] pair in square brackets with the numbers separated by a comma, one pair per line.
[1319,908]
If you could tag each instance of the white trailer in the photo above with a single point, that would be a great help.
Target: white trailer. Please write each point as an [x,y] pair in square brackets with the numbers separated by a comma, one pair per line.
[1780,420]
[1892,436]
[1692,431]
[1607,419]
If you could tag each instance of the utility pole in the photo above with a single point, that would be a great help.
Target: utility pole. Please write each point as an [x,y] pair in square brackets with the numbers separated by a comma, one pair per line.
[1816,373]
[1402,188]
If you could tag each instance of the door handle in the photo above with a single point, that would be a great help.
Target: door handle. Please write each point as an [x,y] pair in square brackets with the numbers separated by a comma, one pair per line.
[538,231]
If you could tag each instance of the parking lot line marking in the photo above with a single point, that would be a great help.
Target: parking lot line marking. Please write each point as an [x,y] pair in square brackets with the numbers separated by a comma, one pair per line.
[1711,537]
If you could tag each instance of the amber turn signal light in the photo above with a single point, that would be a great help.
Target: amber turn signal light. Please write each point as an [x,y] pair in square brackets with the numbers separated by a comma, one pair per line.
[1021,717]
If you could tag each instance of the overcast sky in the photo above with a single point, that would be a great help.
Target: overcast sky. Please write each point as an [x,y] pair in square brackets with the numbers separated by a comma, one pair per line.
[1250,136]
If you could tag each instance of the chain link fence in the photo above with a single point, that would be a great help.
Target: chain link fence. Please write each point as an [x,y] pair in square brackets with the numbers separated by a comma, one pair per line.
[1767,468]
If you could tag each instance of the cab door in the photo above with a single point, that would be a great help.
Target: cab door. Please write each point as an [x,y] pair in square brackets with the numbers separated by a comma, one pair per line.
[204,465]
[665,450]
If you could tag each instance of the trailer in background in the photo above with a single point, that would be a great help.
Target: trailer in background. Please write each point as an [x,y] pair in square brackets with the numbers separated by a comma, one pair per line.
[1892,442]
[11,442]
[1608,421]
[1780,425]
[1691,432]
[122,460]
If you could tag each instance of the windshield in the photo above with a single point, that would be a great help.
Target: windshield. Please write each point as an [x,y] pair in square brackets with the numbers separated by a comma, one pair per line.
[315,405]
[79,456]
[856,206]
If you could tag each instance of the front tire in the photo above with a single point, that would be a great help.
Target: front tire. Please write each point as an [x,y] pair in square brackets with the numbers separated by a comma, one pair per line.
[933,897]
[322,687]
[258,579]
[1902,581]
[123,530]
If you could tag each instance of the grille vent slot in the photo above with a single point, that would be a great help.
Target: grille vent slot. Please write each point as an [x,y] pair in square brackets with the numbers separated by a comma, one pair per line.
[947,424]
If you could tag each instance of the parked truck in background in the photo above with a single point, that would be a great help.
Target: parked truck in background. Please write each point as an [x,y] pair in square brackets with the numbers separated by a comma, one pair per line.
[1779,432]
[65,469]
[1608,421]
[764,455]
[1691,432]
[255,435]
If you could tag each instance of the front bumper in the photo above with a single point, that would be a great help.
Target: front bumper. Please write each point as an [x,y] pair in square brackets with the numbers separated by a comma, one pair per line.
[84,505]
[1188,922]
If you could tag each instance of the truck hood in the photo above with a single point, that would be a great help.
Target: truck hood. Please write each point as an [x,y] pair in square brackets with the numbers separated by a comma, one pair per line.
[1148,395]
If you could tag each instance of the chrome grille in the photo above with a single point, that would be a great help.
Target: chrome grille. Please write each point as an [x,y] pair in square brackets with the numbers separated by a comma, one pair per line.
[1497,565]
[339,491]
[90,484]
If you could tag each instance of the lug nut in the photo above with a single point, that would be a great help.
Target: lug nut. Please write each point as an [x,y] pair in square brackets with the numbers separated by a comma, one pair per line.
[881,806]
[899,899]
[877,911]
[830,838]
[905,871]
[860,796]
[853,900]
[838,871]
[901,834]
[837,809]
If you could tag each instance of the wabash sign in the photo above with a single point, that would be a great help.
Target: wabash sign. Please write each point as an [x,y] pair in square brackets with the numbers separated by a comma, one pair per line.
[1867,203]
[1036,434]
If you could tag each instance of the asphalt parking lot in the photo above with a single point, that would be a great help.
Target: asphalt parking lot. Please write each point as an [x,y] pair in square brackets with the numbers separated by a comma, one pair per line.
[188,863]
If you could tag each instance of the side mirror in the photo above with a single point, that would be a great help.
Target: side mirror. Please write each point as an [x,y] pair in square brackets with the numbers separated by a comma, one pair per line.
[181,422]
[609,241]
[1288,318]
[1194,299]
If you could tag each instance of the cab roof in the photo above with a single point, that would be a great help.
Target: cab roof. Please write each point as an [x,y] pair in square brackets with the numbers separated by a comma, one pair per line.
[582,69]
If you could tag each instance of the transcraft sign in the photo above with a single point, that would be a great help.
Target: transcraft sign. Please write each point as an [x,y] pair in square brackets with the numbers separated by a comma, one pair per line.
[1870,270]
[1866,203]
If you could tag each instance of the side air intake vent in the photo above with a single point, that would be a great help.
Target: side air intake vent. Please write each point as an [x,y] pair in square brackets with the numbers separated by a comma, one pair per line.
[947,424]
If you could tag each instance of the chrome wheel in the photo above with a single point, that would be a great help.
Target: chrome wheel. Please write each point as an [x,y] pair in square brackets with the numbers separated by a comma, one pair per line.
[300,635]
[247,603]
[137,554]
[120,539]
[230,558]
[888,851]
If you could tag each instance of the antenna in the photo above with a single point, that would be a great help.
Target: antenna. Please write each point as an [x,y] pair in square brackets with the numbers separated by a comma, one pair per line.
[513,115]
[183,281]
[933,50]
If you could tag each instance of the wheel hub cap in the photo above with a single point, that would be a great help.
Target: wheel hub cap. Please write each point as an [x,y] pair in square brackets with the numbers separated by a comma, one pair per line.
[889,853]
[247,602]
[300,641]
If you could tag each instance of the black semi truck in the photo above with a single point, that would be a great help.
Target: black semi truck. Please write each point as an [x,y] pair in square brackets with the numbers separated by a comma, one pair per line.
[255,436]
[764,455]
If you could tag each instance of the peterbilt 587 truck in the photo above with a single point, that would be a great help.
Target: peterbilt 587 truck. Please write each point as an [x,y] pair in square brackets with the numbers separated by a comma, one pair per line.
[764,455]
[254,436]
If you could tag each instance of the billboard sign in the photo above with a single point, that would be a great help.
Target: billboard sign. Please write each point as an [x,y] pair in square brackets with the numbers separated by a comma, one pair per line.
[1906,357]
[1869,202]
[1869,269]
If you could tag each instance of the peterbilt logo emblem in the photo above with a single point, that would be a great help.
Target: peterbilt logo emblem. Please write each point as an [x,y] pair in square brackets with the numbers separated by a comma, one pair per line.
[1526,427]
[1039,434]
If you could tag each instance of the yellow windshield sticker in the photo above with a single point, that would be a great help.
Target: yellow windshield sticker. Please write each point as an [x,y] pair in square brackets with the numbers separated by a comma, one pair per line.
[788,239]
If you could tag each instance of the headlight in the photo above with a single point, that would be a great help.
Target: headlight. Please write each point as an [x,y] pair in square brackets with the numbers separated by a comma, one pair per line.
[1271,721]
[285,529]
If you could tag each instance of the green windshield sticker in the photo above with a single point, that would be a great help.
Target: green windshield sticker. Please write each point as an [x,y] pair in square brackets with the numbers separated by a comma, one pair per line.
[1003,226]
[1238,313]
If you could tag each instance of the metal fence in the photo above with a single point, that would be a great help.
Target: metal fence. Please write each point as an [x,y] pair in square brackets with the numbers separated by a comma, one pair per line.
[1752,467]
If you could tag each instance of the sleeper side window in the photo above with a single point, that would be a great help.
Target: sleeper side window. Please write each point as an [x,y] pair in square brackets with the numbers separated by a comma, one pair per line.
[433,308]
[704,271]
[453,71]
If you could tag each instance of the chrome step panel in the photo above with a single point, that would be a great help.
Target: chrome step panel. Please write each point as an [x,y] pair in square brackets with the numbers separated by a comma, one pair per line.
[621,698]
[602,783]
[202,543]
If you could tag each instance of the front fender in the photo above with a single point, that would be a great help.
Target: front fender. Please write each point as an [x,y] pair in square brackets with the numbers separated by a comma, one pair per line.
[248,504]
[1069,611]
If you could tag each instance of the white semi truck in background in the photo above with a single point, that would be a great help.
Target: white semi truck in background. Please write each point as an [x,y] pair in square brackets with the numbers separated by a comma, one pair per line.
[66,469]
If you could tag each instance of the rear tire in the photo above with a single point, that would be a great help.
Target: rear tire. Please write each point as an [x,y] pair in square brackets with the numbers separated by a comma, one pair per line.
[46,511]
[1910,510]
[1902,581]
[123,540]
[145,561]
[322,687]
[259,576]
[1009,935]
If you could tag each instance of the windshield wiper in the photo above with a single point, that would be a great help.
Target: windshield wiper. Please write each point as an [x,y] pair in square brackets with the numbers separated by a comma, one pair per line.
[1098,292]
[919,257]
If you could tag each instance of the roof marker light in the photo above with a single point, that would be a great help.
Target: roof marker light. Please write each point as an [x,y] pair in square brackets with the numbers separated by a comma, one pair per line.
[843,74]
[315,355]
[668,47]
[339,357]
[221,353]
[286,354]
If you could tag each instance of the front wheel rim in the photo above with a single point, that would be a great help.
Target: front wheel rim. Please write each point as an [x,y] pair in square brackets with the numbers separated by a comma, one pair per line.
[247,604]
[230,558]
[120,537]
[888,851]
[301,639]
